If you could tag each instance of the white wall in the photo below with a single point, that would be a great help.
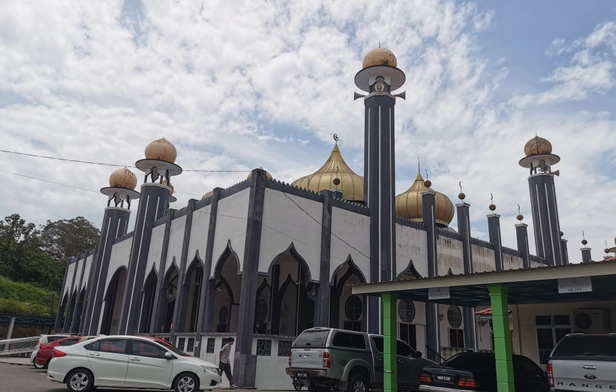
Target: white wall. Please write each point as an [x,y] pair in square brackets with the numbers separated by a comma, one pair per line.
[483,259]
[512,262]
[285,223]
[70,272]
[176,238]
[120,254]
[411,246]
[354,229]
[198,233]
[449,255]
[86,275]
[231,226]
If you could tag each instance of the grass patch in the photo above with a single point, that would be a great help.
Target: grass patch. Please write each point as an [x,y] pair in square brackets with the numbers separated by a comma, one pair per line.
[26,299]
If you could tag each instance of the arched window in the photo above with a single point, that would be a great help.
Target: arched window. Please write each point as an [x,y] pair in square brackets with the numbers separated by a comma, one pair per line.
[353,308]
[406,310]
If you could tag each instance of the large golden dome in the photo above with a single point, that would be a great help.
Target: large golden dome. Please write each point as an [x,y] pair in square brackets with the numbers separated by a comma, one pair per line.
[380,56]
[161,150]
[409,204]
[538,146]
[123,178]
[267,175]
[335,167]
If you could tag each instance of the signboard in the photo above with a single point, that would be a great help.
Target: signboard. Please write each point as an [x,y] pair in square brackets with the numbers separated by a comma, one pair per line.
[574,285]
[438,293]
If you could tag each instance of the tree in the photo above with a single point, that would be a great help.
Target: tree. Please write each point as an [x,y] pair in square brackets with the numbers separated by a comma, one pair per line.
[68,238]
[18,240]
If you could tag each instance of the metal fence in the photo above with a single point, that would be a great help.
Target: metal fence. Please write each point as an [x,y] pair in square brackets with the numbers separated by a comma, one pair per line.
[17,346]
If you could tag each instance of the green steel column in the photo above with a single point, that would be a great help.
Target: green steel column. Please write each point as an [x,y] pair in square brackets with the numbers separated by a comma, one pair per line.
[390,334]
[502,337]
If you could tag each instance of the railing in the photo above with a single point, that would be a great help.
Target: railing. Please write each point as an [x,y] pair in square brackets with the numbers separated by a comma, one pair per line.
[17,346]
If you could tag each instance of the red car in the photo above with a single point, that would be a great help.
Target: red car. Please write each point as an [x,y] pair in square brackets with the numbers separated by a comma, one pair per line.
[45,352]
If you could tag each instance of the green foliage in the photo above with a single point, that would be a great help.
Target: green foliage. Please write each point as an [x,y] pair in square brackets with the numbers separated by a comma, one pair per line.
[68,238]
[26,299]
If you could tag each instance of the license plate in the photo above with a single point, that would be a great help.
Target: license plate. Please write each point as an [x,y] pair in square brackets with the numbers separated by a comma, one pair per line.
[302,375]
[443,378]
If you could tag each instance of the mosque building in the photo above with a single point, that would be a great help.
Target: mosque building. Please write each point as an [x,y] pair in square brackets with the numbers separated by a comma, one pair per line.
[262,260]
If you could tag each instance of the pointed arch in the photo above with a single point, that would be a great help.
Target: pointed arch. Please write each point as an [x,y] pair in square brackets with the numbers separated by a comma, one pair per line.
[409,270]
[223,258]
[262,287]
[65,299]
[352,267]
[293,252]
[115,276]
[195,263]
[147,307]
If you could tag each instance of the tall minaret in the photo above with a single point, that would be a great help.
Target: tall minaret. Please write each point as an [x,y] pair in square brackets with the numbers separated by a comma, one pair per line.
[539,159]
[379,78]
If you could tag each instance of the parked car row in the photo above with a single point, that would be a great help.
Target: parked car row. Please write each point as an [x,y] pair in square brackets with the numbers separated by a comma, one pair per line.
[87,362]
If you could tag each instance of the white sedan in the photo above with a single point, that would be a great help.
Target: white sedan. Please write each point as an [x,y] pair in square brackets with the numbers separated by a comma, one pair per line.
[130,362]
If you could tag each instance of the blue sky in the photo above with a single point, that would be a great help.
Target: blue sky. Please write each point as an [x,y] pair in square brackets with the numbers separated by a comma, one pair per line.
[237,85]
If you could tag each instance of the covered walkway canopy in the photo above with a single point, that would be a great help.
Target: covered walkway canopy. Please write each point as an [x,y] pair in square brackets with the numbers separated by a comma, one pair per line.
[568,283]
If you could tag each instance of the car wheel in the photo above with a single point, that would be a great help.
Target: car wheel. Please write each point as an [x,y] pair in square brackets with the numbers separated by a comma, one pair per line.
[186,382]
[37,366]
[358,383]
[79,380]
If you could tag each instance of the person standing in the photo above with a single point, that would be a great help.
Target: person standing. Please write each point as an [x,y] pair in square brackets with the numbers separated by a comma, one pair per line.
[224,364]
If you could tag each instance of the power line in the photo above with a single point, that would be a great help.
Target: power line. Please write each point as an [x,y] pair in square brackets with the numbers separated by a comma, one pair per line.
[51,182]
[112,164]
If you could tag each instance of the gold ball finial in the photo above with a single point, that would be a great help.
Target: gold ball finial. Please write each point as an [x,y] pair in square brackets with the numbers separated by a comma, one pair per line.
[336,181]
[123,178]
[461,196]
[492,207]
[520,217]
[428,183]
[562,234]
[161,150]
[584,242]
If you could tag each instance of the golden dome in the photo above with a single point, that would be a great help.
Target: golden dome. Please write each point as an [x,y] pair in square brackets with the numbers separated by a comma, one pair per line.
[210,193]
[537,146]
[335,167]
[171,188]
[267,175]
[409,204]
[380,56]
[123,178]
[161,150]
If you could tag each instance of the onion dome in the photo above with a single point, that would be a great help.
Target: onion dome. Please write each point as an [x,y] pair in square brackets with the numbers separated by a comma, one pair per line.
[409,204]
[210,193]
[335,167]
[123,178]
[267,175]
[380,56]
[161,150]
[538,146]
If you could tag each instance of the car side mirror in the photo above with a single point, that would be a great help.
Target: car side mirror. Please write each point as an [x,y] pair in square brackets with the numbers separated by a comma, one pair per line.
[418,354]
[168,355]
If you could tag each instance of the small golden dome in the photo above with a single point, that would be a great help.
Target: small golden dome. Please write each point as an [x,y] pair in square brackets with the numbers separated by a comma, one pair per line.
[210,193]
[537,146]
[380,56]
[123,178]
[335,167]
[172,189]
[267,175]
[161,150]
[409,204]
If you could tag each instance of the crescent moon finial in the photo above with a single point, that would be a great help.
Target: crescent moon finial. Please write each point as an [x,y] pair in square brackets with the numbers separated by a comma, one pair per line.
[336,138]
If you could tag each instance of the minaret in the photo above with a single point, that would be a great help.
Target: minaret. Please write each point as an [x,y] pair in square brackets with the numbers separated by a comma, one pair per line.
[539,159]
[120,193]
[156,194]
[379,78]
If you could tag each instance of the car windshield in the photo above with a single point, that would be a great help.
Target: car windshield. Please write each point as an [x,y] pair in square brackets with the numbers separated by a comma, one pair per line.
[587,345]
[171,347]
[312,339]
[471,362]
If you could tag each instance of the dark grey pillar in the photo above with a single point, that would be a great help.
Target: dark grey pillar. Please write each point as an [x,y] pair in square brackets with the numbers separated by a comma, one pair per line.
[88,286]
[160,300]
[586,257]
[206,310]
[495,240]
[152,206]
[433,343]
[245,362]
[115,225]
[545,217]
[76,317]
[323,294]
[521,231]
[181,299]
[464,229]
[565,251]
[275,329]
[379,194]
[60,315]
[71,304]
[76,324]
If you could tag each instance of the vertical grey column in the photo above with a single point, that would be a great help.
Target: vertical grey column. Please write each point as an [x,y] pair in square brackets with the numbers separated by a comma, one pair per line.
[179,311]
[521,231]
[586,256]
[80,301]
[85,319]
[160,294]
[71,304]
[152,206]
[245,362]
[61,307]
[206,310]
[495,239]
[545,217]
[433,336]
[563,247]
[464,228]
[323,294]
[379,194]
[115,225]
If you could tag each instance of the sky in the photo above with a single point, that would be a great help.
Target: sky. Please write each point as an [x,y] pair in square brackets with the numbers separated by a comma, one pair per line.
[236,85]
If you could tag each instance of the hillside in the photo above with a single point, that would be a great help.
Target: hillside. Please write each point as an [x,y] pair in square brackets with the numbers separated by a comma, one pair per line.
[26,299]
